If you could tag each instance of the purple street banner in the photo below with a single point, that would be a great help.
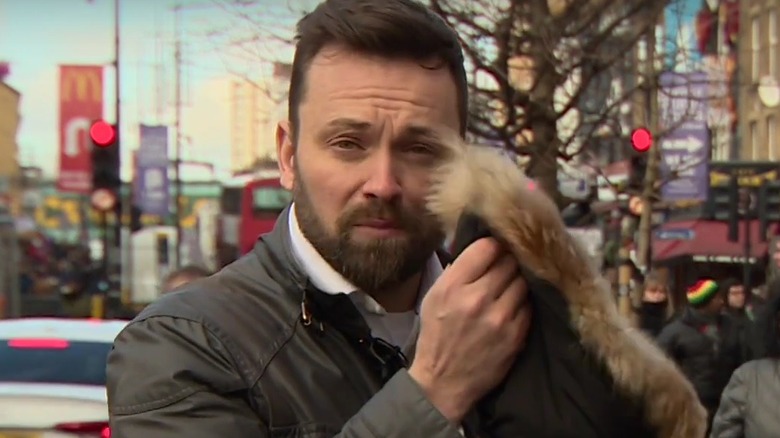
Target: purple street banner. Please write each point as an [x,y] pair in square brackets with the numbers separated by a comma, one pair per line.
[685,140]
[152,185]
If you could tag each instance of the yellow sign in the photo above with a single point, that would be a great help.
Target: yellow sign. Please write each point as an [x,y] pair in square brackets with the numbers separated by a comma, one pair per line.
[744,180]
[58,213]
[85,81]
[20,434]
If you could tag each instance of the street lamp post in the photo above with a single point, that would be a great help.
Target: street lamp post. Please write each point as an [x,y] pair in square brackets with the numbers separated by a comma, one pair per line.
[178,8]
[746,200]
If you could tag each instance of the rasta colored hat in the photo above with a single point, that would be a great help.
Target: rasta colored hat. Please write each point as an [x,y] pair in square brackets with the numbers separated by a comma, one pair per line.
[702,292]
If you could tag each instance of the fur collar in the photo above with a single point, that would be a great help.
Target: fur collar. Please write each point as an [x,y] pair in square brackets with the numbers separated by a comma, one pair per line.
[480,181]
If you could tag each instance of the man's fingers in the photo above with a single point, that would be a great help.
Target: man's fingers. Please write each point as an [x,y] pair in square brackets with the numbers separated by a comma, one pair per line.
[474,261]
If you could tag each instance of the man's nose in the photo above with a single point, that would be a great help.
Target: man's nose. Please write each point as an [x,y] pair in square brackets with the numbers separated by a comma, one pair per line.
[383,179]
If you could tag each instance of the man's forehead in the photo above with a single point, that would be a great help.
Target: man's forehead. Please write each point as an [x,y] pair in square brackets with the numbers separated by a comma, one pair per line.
[411,128]
[339,66]
[334,53]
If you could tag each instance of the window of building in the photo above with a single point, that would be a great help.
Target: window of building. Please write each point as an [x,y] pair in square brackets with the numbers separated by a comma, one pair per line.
[773,40]
[721,144]
[771,139]
[754,152]
[755,47]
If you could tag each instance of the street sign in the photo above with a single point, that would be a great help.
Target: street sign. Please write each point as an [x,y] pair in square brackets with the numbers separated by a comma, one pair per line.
[635,205]
[675,234]
[103,199]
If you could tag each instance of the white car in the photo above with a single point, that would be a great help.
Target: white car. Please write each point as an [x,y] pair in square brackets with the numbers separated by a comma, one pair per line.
[53,377]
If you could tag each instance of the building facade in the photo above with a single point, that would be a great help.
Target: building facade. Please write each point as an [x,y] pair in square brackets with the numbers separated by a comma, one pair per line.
[257,107]
[10,175]
[245,124]
[759,94]
[273,108]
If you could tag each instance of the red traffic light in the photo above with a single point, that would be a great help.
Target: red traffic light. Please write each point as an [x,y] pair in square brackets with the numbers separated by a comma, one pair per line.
[102,133]
[641,139]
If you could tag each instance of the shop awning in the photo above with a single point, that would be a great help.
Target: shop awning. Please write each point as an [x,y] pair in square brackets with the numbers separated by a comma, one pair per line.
[705,241]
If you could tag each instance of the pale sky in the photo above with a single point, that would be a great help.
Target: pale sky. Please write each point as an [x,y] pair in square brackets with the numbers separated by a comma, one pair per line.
[36,36]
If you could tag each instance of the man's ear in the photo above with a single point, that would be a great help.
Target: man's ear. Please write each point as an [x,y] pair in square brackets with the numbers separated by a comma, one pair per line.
[285,152]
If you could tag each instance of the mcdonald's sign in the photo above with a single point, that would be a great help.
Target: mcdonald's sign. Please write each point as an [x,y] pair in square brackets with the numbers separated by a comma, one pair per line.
[81,83]
[81,102]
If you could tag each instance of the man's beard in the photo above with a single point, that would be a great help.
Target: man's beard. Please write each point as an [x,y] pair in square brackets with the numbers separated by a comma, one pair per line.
[373,265]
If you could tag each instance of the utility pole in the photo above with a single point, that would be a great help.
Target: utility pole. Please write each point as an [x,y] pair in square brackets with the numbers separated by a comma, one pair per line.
[648,195]
[653,171]
[746,208]
[177,159]
[125,204]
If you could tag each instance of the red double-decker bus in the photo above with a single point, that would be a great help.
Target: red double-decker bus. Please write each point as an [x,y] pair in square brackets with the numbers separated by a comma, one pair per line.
[249,207]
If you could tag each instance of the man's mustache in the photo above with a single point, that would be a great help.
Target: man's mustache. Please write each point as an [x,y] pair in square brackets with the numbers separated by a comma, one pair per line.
[379,211]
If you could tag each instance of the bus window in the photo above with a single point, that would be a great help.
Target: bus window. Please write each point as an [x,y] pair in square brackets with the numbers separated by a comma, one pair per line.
[230,202]
[270,200]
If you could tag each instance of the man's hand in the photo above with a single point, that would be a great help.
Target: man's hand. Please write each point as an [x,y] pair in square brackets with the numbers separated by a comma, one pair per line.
[473,323]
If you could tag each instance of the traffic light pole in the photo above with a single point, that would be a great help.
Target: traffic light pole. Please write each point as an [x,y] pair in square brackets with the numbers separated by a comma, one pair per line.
[652,174]
[106,243]
[124,204]
[177,161]
[747,267]
[745,209]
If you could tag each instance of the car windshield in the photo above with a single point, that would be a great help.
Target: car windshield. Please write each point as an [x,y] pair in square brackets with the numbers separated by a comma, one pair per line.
[53,361]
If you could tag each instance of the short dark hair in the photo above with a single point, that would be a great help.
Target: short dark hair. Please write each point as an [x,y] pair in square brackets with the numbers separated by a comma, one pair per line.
[404,29]
[188,272]
[727,284]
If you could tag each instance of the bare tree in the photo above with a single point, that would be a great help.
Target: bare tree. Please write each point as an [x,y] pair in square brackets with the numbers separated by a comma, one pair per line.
[256,41]
[549,79]
[544,72]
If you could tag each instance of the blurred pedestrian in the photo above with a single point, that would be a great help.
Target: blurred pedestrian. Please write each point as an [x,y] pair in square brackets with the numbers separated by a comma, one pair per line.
[738,300]
[704,343]
[182,276]
[748,407]
[740,305]
[655,309]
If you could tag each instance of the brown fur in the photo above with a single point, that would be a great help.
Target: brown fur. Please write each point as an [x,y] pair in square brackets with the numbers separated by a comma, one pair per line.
[480,181]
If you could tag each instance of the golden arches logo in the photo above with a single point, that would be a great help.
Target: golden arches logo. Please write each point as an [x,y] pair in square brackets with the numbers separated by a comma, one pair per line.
[85,82]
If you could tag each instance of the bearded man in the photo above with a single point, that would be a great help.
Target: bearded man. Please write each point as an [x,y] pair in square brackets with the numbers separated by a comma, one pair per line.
[306,335]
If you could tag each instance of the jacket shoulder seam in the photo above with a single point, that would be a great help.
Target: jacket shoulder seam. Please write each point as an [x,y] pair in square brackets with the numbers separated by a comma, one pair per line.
[157,403]
[235,353]
[278,343]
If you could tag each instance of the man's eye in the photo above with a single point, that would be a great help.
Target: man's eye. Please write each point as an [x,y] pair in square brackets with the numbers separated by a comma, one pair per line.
[419,148]
[346,145]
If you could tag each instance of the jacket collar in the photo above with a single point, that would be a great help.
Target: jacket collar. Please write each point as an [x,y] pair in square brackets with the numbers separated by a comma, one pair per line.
[274,252]
[275,249]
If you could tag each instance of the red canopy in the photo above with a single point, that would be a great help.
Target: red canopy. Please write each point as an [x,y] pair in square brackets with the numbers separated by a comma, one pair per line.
[705,241]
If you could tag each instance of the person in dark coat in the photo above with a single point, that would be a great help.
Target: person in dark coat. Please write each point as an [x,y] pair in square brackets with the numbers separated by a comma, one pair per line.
[741,307]
[738,302]
[309,333]
[702,342]
[655,308]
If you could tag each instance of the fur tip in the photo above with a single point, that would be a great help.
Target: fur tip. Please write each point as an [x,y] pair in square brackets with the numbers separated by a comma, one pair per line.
[480,180]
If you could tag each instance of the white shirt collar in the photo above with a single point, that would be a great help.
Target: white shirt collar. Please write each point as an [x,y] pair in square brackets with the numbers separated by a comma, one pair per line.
[328,280]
